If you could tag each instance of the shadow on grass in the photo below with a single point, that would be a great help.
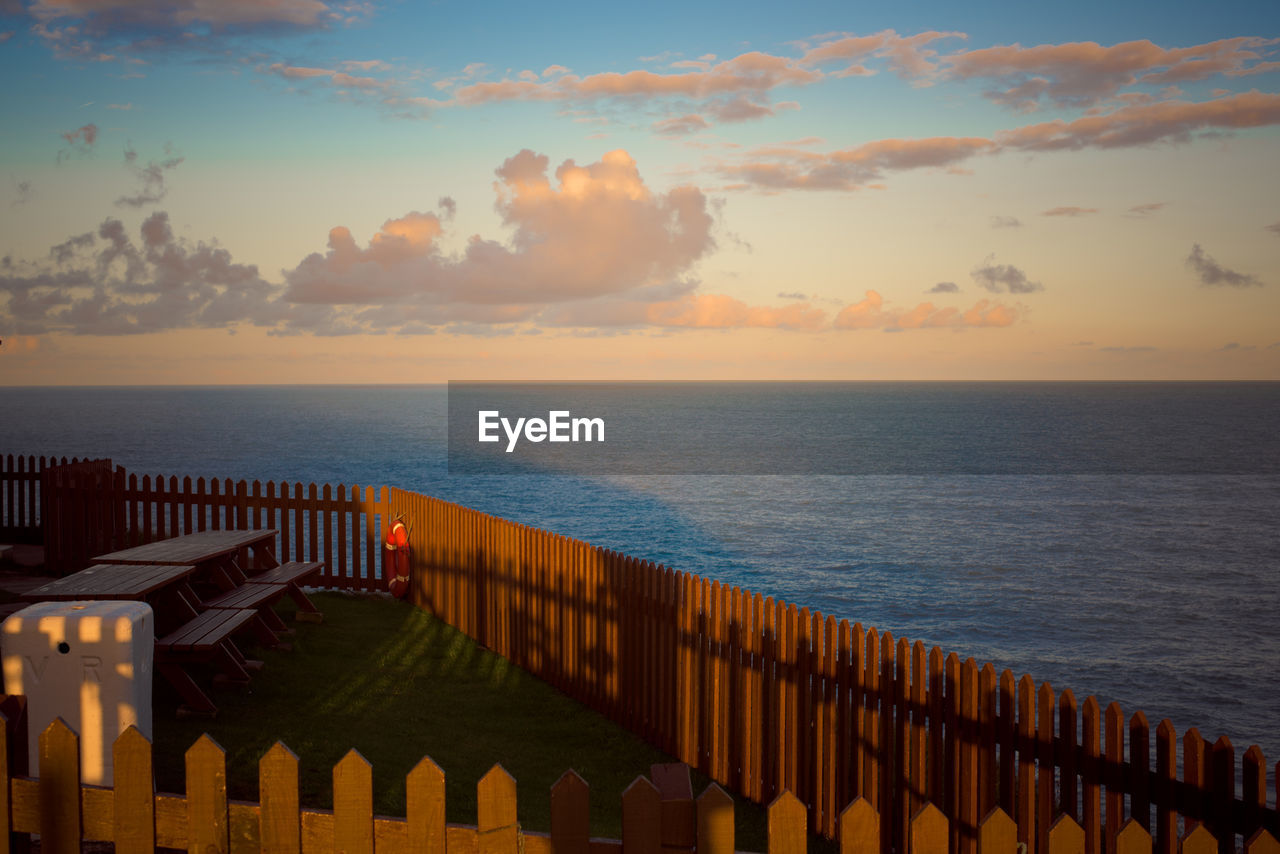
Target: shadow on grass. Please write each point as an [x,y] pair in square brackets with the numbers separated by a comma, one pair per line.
[396,684]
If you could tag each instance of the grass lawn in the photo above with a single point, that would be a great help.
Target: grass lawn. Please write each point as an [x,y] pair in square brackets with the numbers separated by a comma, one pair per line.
[391,681]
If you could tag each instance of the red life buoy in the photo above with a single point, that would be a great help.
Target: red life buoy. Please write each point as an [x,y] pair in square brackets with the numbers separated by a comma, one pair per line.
[396,556]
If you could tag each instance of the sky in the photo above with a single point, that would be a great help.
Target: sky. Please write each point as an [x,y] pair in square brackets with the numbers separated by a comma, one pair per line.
[340,191]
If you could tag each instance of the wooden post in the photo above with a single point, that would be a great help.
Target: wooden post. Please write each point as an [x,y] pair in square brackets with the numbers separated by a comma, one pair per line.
[425,807]
[353,804]
[279,822]
[929,832]
[570,815]
[61,821]
[1066,837]
[1045,704]
[1091,771]
[208,831]
[1165,793]
[715,822]
[787,831]
[1223,794]
[997,834]
[1199,840]
[134,809]
[1133,838]
[496,813]
[641,818]
[859,829]
[1262,842]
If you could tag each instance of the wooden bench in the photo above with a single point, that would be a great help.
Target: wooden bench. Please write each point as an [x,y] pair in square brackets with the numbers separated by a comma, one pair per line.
[205,639]
[291,575]
[268,627]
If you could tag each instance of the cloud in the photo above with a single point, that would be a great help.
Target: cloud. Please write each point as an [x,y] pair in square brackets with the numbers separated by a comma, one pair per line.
[793,296]
[909,56]
[945,288]
[1005,222]
[1146,209]
[1146,124]
[1274,228]
[753,72]
[688,311]
[1139,349]
[1001,278]
[23,193]
[1212,274]
[598,231]
[1236,347]
[179,14]
[105,283]
[870,313]
[151,176]
[793,168]
[5,36]
[81,141]
[681,125]
[1081,74]
[1069,211]
[126,107]
[782,167]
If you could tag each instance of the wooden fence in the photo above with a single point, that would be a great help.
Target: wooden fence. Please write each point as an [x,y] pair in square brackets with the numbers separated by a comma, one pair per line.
[22,495]
[762,696]
[137,819]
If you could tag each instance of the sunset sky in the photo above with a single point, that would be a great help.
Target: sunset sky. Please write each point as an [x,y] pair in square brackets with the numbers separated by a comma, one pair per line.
[312,191]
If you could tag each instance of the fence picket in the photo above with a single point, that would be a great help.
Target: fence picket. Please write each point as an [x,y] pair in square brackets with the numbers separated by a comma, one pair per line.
[61,821]
[208,831]
[425,808]
[134,808]
[570,815]
[715,822]
[279,823]
[998,834]
[859,828]
[496,812]
[929,832]
[641,818]
[787,830]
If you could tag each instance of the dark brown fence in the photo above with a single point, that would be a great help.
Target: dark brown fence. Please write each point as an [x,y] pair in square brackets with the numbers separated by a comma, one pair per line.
[22,496]
[761,695]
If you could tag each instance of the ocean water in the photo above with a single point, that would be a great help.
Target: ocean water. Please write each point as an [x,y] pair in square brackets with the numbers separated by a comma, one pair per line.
[1158,589]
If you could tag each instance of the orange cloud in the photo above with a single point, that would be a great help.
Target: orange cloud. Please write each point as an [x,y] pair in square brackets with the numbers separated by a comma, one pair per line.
[870,313]
[791,168]
[1146,124]
[1082,73]
[781,167]
[717,311]
[749,72]
[1069,210]
[908,56]
[598,230]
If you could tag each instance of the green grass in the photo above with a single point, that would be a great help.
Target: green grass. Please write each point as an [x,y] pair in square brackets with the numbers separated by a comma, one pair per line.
[394,683]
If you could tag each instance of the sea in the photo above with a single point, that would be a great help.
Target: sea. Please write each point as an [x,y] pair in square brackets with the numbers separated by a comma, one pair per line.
[1141,567]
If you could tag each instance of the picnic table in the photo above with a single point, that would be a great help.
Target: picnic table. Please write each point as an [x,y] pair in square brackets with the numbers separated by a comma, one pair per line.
[231,559]
[204,587]
[183,633]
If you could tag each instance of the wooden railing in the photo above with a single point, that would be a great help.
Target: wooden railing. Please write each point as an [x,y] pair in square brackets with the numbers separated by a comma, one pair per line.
[137,819]
[759,694]
[22,495]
